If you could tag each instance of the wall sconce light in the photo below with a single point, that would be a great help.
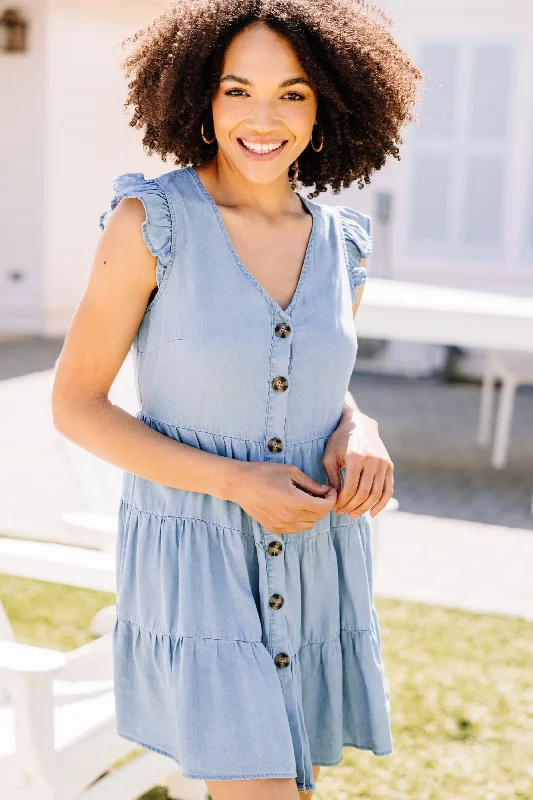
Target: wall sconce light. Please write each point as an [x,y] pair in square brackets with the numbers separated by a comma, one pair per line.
[12,31]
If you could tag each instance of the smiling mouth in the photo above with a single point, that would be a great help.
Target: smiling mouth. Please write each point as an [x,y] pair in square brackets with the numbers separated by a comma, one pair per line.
[262,150]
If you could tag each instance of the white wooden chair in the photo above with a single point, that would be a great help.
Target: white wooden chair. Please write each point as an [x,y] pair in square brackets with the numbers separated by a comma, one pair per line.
[513,370]
[57,718]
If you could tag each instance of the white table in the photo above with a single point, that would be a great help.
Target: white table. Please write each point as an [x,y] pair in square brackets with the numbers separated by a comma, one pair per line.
[419,312]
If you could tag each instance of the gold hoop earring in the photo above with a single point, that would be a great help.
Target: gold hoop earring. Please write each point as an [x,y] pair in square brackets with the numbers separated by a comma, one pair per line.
[207,141]
[317,149]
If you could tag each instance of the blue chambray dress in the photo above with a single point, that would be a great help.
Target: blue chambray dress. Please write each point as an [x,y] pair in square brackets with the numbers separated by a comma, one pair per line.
[238,652]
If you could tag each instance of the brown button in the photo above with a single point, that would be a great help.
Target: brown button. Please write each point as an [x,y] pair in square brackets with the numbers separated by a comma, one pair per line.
[282,330]
[275,445]
[276,601]
[280,384]
[275,548]
[282,660]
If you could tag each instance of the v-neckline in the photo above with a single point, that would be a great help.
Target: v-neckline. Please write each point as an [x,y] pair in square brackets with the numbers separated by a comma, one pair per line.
[283,312]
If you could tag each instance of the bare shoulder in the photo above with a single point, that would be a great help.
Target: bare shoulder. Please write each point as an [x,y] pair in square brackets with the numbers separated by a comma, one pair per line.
[104,323]
[122,238]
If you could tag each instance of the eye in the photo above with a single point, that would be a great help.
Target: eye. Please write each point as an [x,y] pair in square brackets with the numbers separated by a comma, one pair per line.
[296,96]
[293,96]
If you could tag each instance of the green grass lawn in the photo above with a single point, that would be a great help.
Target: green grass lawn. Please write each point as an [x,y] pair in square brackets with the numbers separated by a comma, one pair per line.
[461,685]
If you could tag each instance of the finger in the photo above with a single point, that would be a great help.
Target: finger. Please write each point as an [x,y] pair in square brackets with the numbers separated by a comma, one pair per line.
[359,493]
[307,484]
[302,523]
[332,465]
[312,503]
[297,527]
[354,467]
[375,495]
[388,492]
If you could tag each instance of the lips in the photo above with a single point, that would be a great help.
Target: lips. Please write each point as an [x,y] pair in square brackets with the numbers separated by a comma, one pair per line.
[267,155]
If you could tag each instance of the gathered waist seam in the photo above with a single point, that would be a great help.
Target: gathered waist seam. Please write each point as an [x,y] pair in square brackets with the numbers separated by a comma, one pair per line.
[244,641]
[350,524]
[226,436]
[181,516]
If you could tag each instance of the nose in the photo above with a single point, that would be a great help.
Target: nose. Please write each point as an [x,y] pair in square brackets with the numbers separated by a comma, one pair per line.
[263,118]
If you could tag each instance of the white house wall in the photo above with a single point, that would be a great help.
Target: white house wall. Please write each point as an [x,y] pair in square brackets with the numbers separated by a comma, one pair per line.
[22,147]
[66,135]
[89,139]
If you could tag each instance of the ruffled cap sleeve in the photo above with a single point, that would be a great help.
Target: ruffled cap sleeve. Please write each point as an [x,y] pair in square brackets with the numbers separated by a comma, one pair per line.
[357,231]
[157,227]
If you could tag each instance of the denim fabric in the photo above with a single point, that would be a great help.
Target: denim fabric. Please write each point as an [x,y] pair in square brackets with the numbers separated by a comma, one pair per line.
[195,638]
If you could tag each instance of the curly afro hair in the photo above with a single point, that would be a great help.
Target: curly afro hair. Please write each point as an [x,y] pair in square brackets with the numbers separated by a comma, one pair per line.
[367,85]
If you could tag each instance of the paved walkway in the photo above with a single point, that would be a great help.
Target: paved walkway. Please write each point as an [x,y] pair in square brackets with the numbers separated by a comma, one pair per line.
[429,429]
[463,536]
[468,565]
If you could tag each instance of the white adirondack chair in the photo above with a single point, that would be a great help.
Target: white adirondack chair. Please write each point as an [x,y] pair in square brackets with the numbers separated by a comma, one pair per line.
[58,739]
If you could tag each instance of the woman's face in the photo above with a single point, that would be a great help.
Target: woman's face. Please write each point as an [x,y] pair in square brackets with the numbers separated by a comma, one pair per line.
[264,99]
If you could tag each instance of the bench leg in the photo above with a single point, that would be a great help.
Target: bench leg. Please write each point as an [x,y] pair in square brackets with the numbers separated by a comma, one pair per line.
[487,400]
[503,422]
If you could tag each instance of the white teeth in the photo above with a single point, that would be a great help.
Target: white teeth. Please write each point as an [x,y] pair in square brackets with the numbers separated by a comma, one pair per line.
[260,148]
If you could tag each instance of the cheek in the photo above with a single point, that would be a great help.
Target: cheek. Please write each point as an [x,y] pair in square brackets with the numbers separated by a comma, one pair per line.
[225,114]
[299,119]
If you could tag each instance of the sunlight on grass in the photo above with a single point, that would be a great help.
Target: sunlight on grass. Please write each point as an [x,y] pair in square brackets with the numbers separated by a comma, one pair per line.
[461,685]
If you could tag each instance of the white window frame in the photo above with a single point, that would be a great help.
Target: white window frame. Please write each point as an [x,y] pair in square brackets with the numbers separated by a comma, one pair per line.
[459,145]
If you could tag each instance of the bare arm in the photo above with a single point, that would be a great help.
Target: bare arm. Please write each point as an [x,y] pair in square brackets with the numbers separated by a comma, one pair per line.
[100,335]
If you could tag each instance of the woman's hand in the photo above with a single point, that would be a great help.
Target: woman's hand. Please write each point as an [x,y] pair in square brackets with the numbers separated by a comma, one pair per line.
[282,498]
[369,480]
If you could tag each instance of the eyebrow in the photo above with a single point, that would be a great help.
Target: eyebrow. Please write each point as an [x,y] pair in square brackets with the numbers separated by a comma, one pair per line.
[246,82]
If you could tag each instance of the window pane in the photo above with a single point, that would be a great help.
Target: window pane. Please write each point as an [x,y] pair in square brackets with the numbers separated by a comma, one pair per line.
[490,90]
[482,217]
[439,62]
[430,188]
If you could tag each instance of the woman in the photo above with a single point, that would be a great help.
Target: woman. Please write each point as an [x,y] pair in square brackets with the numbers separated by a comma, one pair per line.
[246,644]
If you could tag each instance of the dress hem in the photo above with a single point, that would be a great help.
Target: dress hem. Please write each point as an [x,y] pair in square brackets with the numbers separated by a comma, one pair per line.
[357,747]
[207,777]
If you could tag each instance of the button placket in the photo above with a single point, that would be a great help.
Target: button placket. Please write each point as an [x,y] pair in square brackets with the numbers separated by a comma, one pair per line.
[278,635]
[278,390]
[279,647]
[279,640]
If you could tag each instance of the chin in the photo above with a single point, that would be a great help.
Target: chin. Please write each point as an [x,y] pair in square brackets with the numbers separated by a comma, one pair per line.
[262,174]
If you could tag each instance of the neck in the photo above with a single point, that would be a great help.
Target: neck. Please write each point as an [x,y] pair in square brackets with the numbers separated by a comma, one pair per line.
[229,187]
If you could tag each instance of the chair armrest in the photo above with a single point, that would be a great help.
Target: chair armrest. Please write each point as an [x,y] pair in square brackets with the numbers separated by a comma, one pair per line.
[25,661]
[90,662]
[28,674]
[58,563]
